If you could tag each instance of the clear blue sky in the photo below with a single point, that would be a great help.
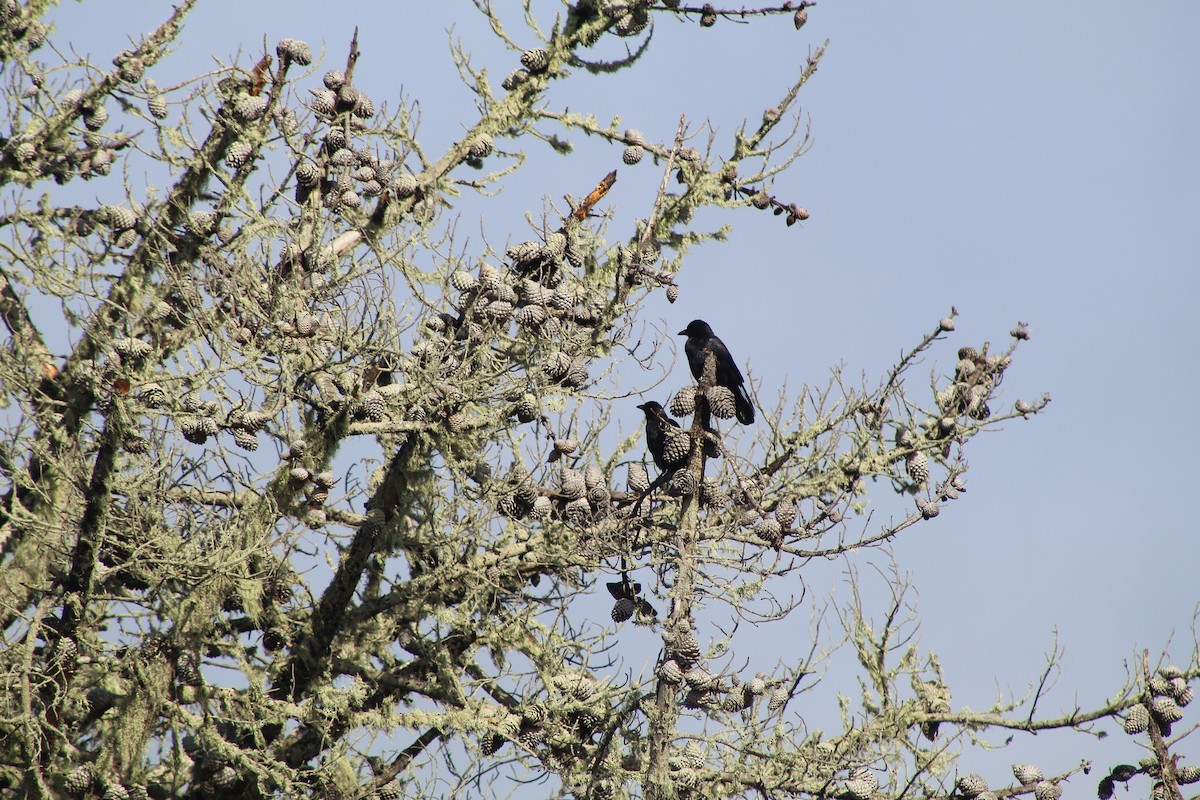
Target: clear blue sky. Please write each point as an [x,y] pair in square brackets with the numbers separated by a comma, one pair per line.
[1026,161]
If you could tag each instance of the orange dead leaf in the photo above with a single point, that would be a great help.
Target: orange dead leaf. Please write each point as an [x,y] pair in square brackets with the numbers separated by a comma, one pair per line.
[260,76]
[121,386]
[596,194]
[49,371]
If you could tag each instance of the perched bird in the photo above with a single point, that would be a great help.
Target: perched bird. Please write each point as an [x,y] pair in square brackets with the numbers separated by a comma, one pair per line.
[658,427]
[700,342]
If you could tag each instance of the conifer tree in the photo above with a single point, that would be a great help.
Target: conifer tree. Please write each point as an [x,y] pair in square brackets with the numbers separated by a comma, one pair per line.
[319,500]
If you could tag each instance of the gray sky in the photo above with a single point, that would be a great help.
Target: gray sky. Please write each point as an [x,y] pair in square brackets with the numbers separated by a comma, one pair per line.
[1025,161]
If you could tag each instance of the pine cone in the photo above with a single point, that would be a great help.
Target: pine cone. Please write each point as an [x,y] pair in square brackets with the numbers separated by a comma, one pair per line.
[622,610]
[721,402]
[1027,773]
[971,785]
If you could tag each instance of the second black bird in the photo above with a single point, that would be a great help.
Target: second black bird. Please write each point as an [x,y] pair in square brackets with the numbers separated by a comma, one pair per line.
[658,428]
[700,342]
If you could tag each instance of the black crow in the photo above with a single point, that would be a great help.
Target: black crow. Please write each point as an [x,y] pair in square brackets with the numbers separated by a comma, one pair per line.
[658,425]
[700,342]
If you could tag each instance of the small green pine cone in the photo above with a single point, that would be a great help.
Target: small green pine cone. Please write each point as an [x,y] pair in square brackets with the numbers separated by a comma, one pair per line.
[1188,774]
[136,444]
[95,117]
[499,310]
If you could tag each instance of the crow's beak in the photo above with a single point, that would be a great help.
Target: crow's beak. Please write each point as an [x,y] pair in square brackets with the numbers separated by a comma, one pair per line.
[682,332]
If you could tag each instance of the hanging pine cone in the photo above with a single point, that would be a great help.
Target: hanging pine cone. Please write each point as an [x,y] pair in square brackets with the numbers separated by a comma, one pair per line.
[917,467]
[683,404]
[721,402]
